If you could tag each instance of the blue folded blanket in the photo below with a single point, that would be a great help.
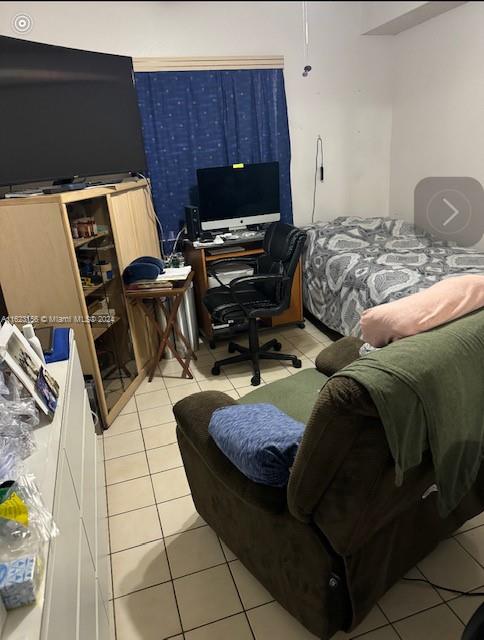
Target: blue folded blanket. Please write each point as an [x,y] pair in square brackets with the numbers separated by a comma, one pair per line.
[259,439]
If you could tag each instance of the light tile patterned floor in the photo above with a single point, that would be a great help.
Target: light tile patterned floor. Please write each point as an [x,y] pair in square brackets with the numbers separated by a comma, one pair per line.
[174,578]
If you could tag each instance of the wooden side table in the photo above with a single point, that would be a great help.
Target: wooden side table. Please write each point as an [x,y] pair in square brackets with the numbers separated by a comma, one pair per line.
[157,296]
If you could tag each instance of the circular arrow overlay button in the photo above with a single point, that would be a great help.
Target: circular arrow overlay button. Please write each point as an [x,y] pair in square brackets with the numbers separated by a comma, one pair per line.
[451,208]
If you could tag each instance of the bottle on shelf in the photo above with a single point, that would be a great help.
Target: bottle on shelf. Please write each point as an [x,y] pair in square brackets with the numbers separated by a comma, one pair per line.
[33,341]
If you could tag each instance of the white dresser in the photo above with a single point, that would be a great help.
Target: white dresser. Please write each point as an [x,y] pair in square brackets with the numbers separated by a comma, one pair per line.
[69,467]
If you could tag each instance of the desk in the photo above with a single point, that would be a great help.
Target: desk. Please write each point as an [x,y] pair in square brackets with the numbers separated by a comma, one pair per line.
[200,258]
[157,296]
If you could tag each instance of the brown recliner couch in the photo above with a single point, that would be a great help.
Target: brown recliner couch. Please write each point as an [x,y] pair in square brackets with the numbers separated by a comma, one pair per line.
[330,544]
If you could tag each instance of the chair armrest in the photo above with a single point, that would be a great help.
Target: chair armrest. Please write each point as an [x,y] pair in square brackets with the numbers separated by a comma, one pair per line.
[262,277]
[340,354]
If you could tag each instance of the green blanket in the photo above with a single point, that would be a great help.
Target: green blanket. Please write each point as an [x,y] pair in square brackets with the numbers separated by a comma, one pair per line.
[429,392]
[294,395]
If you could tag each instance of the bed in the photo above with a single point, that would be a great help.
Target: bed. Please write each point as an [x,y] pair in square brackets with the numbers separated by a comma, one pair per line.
[351,264]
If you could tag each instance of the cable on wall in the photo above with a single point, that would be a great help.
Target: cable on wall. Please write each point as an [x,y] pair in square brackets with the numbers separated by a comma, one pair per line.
[305,24]
[175,242]
[154,217]
[318,168]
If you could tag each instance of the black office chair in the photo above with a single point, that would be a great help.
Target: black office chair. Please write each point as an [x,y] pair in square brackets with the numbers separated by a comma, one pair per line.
[265,294]
[475,627]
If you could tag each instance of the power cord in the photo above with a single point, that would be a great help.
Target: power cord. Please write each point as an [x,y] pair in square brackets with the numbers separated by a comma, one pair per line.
[438,586]
[317,167]
[154,217]
[173,250]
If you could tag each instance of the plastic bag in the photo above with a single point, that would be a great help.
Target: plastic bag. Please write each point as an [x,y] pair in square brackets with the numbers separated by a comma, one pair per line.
[9,462]
[22,408]
[25,527]
[25,523]
[20,436]
[18,417]
[24,519]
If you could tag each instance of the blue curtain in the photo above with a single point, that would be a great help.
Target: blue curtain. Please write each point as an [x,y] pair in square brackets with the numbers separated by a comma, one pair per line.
[199,119]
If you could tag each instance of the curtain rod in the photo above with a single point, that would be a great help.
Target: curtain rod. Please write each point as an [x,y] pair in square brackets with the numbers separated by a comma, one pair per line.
[208,63]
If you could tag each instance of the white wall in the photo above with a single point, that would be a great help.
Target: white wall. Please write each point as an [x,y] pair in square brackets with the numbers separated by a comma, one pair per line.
[346,98]
[438,103]
[391,18]
[378,13]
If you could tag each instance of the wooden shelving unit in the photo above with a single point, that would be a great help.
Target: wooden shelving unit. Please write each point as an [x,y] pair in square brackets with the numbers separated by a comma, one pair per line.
[80,242]
[37,232]
[98,331]
[90,290]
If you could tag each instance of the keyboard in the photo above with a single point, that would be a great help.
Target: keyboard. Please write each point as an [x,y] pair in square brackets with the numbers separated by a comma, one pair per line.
[244,235]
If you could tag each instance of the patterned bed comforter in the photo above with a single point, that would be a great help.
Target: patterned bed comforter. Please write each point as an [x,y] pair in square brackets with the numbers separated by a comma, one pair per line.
[351,264]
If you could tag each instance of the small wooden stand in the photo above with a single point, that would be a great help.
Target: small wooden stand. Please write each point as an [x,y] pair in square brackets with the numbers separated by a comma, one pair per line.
[138,297]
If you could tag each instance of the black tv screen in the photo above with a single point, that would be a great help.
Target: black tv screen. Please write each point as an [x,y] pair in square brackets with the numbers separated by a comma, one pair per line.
[66,113]
[239,190]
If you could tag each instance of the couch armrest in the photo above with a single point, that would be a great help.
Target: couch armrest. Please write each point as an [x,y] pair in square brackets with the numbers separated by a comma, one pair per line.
[193,413]
[337,356]
[200,453]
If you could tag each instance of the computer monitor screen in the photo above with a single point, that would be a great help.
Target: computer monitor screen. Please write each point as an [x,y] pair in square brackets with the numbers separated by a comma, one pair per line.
[235,196]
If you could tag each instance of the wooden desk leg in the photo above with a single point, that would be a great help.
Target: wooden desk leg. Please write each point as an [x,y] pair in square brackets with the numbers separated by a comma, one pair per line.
[190,353]
[171,324]
[179,333]
[152,318]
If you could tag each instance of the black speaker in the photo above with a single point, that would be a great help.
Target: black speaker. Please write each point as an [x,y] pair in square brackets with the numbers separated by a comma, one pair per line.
[192,220]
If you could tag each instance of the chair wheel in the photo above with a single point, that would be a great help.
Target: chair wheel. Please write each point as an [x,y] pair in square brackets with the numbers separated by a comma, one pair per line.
[232,348]
[255,380]
[277,346]
[215,370]
[212,344]
[301,325]
[296,363]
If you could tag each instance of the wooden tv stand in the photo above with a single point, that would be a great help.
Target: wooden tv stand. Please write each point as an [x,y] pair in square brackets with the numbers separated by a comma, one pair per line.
[199,258]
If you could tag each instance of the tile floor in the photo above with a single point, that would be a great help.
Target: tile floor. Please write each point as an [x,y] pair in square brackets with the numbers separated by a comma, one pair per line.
[174,578]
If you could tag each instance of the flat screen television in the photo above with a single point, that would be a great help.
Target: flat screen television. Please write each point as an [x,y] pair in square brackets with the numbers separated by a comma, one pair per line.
[238,195]
[66,113]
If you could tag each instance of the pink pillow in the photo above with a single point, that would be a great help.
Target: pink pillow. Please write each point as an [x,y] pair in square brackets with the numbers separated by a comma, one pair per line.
[442,302]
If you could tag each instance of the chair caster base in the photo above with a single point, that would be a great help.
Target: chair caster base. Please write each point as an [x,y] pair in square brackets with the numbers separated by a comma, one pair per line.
[301,325]
[212,344]
[255,380]
[232,347]
[296,363]
[277,346]
[215,370]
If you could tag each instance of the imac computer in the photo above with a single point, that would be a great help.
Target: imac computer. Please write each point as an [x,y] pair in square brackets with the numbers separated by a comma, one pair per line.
[238,195]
